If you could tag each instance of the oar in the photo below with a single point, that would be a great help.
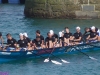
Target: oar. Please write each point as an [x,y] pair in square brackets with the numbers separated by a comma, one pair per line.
[47,60]
[36,54]
[53,61]
[64,61]
[84,53]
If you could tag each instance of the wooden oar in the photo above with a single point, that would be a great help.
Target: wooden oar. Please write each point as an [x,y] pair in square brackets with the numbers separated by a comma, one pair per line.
[47,60]
[64,61]
[53,61]
[86,54]
[83,53]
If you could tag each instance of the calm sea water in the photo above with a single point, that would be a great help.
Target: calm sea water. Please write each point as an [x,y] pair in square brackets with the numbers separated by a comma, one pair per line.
[12,20]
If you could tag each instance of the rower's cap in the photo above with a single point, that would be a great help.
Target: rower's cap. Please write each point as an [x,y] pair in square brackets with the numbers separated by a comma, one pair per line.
[93,27]
[25,34]
[78,27]
[20,34]
[0,34]
[51,32]
[60,34]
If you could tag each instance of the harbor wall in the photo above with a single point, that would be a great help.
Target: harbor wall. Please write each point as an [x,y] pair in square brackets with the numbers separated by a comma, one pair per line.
[75,9]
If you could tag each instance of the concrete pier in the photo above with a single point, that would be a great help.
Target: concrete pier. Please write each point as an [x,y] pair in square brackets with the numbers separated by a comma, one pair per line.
[74,9]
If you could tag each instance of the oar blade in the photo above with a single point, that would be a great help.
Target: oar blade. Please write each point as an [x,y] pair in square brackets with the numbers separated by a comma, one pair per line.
[56,62]
[92,58]
[46,60]
[64,61]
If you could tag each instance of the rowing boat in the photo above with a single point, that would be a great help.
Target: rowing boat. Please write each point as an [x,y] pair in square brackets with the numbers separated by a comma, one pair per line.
[15,55]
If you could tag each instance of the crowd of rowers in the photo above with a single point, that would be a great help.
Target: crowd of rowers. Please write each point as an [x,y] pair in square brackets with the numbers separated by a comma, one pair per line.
[65,38]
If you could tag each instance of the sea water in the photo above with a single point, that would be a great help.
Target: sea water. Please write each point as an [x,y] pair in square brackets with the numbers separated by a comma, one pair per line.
[12,20]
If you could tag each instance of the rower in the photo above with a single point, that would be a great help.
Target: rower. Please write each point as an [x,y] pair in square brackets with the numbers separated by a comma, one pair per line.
[54,35]
[11,42]
[22,42]
[38,33]
[1,40]
[50,41]
[93,36]
[77,37]
[61,39]
[26,37]
[28,40]
[37,43]
[98,34]
[67,37]
[88,31]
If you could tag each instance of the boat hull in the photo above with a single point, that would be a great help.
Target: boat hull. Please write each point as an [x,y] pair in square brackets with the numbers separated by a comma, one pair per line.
[15,55]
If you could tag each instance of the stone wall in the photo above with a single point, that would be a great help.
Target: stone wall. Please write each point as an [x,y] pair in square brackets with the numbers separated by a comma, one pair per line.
[57,8]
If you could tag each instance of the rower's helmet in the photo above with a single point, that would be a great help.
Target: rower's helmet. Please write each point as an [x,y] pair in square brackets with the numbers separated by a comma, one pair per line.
[51,32]
[78,28]
[93,27]
[20,34]
[25,34]
[60,34]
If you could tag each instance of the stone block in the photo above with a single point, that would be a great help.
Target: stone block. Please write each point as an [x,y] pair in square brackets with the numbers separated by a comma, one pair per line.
[97,7]
[86,7]
[87,14]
